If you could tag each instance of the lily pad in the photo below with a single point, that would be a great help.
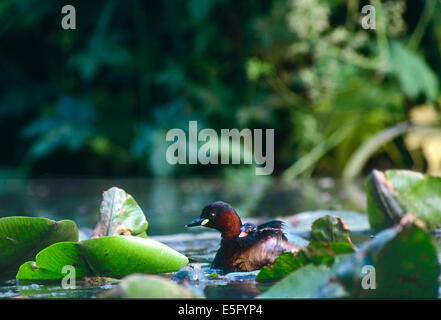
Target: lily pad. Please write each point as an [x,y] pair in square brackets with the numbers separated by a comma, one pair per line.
[394,193]
[138,286]
[284,264]
[21,238]
[330,229]
[404,262]
[118,256]
[120,214]
[49,263]
[114,256]
[316,253]
[302,283]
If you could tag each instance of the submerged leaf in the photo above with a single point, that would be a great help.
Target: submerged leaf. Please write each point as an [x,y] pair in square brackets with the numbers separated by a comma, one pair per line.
[138,286]
[21,238]
[119,214]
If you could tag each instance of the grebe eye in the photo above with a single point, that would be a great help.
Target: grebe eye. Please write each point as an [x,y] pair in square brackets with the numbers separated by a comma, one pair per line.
[212,215]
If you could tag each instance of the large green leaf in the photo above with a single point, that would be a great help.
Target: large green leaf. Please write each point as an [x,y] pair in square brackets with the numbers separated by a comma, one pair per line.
[302,283]
[404,261]
[114,256]
[120,255]
[49,263]
[21,238]
[284,264]
[138,286]
[397,192]
[119,214]
[316,253]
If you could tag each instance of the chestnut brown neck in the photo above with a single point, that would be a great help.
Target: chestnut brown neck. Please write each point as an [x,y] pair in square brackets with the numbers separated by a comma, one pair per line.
[229,223]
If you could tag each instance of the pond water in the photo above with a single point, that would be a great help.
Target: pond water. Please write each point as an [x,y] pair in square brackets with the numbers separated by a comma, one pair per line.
[168,205]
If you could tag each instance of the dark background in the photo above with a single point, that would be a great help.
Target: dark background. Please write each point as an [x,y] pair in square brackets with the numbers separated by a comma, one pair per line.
[97,101]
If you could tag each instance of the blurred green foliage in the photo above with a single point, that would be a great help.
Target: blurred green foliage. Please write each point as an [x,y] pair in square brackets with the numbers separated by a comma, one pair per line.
[98,100]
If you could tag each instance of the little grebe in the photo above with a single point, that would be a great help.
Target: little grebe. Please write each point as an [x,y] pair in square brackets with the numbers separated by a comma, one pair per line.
[250,230]
[243,247]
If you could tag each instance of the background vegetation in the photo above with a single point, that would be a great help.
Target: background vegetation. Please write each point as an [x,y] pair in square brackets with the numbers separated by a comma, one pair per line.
[98,101]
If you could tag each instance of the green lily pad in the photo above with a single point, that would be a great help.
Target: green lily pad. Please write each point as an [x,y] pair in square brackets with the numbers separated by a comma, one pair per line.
[302,283]
[138,286]
[21,238]
[316,253]
[118,256]
[49,263]
[394,193]
[114,256]
[120,214]
[330,229]
[284,264]
[404,260]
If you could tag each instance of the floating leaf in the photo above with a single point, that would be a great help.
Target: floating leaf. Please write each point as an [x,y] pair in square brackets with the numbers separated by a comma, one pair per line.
[317,253]
[114,256]
[119,214]
[325,253]
[49,263]
[302,283]
[120,255]
[284,264]
[21,238]
[403,258]
[330,229]
[397,192]
[138,286]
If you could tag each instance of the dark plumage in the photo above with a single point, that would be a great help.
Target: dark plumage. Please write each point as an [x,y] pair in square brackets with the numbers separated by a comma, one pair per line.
[244,247]
[249,229]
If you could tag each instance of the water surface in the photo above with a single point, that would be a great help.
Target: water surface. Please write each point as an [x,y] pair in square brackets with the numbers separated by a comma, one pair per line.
[168,205]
